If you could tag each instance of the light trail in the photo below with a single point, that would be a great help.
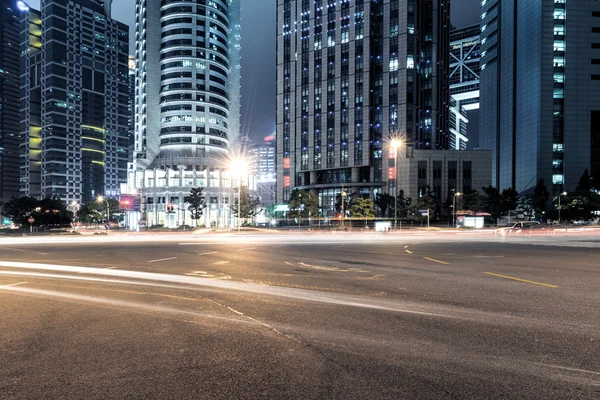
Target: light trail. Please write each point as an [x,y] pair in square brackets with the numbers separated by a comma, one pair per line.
[194,283]
[113,303]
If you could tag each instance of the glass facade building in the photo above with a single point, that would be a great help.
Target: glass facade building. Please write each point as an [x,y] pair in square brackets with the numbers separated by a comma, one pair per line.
[10,30]
[75,113]
[350,74]
[540,91]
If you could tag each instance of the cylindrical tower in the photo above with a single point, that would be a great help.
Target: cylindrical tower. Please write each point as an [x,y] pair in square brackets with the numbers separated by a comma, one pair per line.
[194,69]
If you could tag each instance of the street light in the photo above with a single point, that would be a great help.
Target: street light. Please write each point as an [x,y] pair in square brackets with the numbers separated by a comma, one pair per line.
[239,167]
[454,205]
[559,196]
[343,195]
[101,199]
[396,144]
[75,208]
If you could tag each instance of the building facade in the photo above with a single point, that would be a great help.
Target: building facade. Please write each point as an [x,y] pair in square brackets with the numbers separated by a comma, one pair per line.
[464,82]
[75,118]
[187,107]
[264,162]
[10,75]
[351,74]
[444,173]
[540,92]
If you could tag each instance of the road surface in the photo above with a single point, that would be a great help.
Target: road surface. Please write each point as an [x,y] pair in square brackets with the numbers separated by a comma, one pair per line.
[319,316]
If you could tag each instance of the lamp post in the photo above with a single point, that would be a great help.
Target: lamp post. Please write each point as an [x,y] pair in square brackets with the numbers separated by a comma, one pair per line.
[239,167]
[454,205]
[559,196]
[396,144]
[343,195]
[101,199]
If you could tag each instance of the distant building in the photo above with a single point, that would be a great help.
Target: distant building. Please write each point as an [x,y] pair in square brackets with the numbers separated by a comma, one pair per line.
[10,85]
[540,92]
[75,108]
[351,74]
[264,163]
[464,82]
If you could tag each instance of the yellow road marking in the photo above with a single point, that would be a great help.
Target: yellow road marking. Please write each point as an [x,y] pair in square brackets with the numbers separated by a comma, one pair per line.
[437,261]
[406,247]
[408,251]
[521,280]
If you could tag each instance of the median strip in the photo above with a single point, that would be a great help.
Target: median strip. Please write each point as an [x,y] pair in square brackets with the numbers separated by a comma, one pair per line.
[521,280]
[437,261]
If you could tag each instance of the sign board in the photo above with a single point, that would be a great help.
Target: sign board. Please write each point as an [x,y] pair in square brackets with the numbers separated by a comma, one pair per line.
[282,208]
[424,213]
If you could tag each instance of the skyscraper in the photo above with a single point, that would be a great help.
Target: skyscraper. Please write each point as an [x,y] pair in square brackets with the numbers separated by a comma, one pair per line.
[350,74]
[187,104]
[10,75]
[464,82]
[75,125]
[264,162]
[540,91]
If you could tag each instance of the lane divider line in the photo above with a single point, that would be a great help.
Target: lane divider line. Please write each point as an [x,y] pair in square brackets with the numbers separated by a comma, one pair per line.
[14,284]
[521,280]
[162,259]
[437,261]
[408,251]
[205,254]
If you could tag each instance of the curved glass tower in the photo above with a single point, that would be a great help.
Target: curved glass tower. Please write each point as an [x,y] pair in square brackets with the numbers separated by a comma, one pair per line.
[194,75]
[187,105]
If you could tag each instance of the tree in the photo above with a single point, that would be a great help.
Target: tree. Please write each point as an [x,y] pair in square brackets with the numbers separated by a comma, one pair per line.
[581,203]
[492,202]
[362,208]
[248,207]
[426,202]
[347,202]
[383,201]
[94,212]
[403,203]
[20,209]
[585,182]
[525,204]
[540,196]
[509,200]
[472,201]
[196,203]
[45,212]
[303,204]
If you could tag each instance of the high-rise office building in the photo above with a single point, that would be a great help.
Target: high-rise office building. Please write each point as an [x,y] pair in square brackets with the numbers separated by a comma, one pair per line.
[350,74]
[540,91]
[10,75]
[187,106]
[75,92]
[264,162]
[464,82]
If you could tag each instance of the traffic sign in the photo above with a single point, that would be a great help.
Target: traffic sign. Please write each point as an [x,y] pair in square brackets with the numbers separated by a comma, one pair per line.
[31,220]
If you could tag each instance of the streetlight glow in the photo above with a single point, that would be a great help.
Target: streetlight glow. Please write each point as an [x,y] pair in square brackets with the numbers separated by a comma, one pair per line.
[239,167]
[396,143]
[101,199]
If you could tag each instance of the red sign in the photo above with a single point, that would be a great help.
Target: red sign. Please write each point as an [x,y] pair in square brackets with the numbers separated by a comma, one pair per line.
[31,220]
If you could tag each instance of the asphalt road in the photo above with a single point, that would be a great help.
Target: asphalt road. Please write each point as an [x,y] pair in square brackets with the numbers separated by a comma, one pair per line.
[300,317]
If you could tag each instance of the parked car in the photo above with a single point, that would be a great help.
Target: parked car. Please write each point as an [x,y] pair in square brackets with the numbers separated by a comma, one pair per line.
[515,228]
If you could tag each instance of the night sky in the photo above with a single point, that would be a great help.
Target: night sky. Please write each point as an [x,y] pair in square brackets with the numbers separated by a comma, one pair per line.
[258,55]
